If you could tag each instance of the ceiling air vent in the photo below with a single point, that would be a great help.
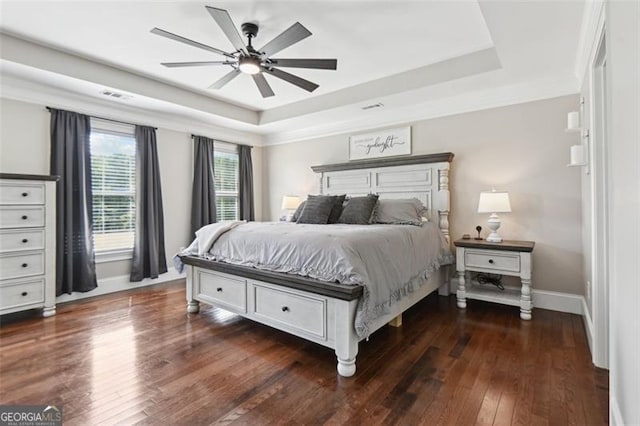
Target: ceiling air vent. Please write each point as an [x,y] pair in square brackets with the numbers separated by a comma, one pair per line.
[115,95]
[378,105]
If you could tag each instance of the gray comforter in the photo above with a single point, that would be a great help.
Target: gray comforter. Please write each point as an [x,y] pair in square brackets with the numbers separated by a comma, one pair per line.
[389,261]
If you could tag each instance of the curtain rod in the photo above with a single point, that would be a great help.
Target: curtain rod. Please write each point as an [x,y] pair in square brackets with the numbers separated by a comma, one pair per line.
[108,119]
[220,140]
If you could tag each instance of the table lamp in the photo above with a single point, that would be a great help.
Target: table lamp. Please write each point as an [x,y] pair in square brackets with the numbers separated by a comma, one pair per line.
[290,203]
[494,202]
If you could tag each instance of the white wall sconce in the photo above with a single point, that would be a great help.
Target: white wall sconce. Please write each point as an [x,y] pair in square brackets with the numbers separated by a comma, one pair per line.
[494,202]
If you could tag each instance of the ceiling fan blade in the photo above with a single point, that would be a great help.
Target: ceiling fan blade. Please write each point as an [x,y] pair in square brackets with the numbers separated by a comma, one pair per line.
[293,79]
[322,64]
[225,23]
[290,36]
[181,39]
[225,79]
[194,64]
[263,86]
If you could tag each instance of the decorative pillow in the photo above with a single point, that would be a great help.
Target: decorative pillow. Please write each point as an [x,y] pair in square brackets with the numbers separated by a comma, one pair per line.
[298,212]
[317,209]
[359,210]
[336,211]
[399,212]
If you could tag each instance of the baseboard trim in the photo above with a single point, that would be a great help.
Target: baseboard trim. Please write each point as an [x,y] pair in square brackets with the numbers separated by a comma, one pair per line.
[120,283]
[545,299]
[615,416]
[588,325]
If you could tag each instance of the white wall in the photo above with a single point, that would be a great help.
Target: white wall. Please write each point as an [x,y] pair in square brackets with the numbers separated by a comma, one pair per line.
[521,148]
[623,59]
[25,148]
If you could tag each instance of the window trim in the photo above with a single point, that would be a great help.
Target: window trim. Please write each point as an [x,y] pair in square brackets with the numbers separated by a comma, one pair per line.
[106,256]
[228,148]
[116,129]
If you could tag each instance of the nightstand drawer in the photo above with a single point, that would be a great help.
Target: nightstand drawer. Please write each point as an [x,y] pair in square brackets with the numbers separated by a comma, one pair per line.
[493,260]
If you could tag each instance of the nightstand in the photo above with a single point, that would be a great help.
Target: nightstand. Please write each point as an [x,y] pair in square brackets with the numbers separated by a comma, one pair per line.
[505,258]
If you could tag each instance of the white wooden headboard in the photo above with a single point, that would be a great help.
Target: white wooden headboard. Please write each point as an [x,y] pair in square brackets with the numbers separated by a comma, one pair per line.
[425,177]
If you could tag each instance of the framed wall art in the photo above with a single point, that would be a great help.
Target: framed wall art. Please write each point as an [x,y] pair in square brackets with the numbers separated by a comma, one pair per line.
[381,143]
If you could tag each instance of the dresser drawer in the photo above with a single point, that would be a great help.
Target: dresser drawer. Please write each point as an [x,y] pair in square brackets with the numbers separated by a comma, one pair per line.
[21,239]
[21,193]
[223,290]
[21,293]
[21,265]
[493,260]
[21,217]
[293,311]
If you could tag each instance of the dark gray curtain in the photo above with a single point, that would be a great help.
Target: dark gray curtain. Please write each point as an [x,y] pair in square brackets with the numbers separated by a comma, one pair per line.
[203,195]
[149,259]
[71,160]
[245,169]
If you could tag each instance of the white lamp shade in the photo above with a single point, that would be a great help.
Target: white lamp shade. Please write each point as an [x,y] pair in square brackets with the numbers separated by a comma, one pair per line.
[290,202]
[494,202]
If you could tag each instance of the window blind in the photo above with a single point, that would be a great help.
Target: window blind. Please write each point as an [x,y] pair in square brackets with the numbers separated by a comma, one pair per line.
[113,185]
[226,183]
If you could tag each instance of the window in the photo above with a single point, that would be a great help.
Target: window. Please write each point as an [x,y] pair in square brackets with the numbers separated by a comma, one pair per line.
[113,169]
[226,180]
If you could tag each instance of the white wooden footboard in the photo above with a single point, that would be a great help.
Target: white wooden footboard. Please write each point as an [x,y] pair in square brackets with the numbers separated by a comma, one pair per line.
[325,320]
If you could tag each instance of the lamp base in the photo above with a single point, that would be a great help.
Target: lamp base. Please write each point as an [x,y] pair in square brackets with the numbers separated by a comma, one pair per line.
[494,238]
[494,224]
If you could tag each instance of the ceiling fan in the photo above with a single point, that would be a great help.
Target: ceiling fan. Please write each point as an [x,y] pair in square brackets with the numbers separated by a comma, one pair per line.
[248,60]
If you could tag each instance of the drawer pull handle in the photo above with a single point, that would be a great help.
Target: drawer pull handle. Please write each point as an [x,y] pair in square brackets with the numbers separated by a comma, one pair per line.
[24,293]
[24,194]
[24,265]
[24,240]
[24,217]
[490,260]
[219,289]
[285,309]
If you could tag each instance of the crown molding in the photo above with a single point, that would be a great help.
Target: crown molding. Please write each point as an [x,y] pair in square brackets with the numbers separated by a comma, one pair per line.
[468,102]
[27,53]
[40,94]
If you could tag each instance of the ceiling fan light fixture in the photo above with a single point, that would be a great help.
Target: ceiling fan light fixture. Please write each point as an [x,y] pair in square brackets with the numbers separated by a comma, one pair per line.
[249,65]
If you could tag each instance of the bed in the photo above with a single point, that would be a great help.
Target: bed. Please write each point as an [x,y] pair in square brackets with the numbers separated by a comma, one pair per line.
[330,312]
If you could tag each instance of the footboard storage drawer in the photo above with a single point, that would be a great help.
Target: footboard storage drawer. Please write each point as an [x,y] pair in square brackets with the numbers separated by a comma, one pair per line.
[223,290]
[290,311]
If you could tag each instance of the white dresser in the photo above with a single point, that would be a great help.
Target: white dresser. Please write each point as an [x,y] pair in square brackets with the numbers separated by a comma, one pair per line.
[27,243]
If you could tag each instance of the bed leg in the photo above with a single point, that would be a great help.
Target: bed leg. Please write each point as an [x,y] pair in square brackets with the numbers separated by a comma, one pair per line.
[396,322]
[193,307]
[346,367]
[346,337]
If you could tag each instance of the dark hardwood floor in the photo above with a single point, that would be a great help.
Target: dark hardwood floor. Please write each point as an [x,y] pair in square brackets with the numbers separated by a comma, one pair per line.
[138,357]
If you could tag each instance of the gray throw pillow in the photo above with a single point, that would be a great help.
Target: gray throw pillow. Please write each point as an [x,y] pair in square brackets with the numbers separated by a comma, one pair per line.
[399,211]
[317,209]
[298,212]
[359,210]
[336,211]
